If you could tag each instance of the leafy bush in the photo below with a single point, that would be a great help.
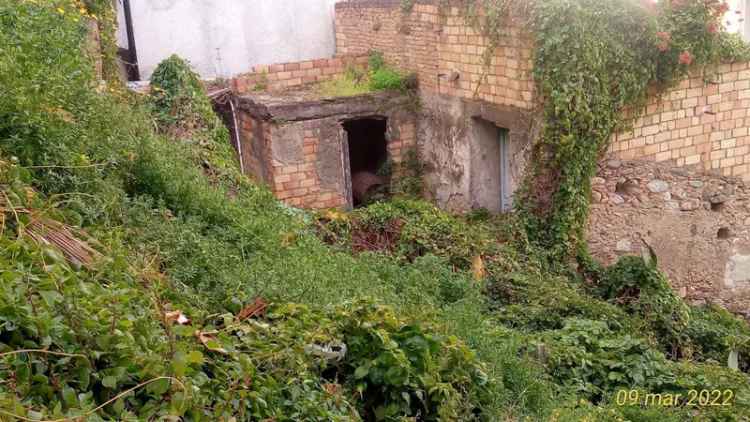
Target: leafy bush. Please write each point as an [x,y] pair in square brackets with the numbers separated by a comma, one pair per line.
[422,229]
[402,370]
[178,96]
[642,290]
[386,79]
[714,333]
[589,357]
[379,77]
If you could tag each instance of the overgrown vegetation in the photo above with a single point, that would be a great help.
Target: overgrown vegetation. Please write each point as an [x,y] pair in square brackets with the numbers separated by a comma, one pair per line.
[201,297]
[620,48]
[593,60]
[378,76]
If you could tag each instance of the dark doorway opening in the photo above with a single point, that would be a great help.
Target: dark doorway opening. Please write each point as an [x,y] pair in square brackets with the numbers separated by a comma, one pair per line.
[368,154]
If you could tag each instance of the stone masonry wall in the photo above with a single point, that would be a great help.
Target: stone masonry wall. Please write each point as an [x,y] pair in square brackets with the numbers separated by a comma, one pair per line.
[697,224]
[276,77]
[697,123]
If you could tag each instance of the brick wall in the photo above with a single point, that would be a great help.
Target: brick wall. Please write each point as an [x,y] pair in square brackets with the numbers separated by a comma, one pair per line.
[276,77]
[436,43]
[297,148]
[697,123]
[254,132]
[299,184]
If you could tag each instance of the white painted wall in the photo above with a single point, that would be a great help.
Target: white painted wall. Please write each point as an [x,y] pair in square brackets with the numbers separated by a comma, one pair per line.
[222,38]
[735,19]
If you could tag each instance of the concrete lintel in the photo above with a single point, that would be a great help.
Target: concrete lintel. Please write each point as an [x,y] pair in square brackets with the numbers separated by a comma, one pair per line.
[514,119]
[276,108]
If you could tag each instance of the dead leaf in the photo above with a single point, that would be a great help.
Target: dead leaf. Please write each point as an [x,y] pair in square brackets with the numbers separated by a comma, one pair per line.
[478,269]
[176,316]
[332,389]
[335,215]
[257,309]
[209,341]
[288,239]
[30,195]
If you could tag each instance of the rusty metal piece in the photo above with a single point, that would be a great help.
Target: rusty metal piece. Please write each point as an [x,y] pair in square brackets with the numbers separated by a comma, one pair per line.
[364,183]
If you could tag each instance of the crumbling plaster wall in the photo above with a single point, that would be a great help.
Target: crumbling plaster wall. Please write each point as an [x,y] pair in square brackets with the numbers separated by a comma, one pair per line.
[449,128]
[697,224]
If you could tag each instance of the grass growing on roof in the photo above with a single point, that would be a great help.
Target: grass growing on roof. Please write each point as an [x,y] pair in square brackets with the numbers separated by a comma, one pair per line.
[357,81]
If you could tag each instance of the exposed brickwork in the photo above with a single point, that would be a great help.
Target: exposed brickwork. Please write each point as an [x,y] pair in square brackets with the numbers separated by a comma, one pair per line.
[299,185]
[696,222]
[253,133]
[438,44]
[300,158]
[697,123]
[278,77]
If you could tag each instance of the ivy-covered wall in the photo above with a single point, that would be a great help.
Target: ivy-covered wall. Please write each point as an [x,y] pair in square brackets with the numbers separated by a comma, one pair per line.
[683,142]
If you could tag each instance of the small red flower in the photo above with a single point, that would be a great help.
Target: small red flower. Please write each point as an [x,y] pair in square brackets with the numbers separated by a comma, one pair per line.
[722,9]
[712,28]
[664,36]
[686,58]
[664,39]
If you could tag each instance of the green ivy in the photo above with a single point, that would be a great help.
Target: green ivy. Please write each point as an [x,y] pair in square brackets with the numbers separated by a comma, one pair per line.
[594,59]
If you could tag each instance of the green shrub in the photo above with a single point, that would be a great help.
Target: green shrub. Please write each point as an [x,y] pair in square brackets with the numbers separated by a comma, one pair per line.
[714,333]
[379,77]
[375,60]
[386,79]
[642,290]
[404,371]
[422,229]
[178,96]
[588,357]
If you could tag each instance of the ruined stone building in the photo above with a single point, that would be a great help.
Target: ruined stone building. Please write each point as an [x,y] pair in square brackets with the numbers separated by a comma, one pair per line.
[673,181]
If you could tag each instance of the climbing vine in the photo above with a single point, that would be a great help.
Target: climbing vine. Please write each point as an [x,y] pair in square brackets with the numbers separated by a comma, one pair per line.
[593,60]
[106,19]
